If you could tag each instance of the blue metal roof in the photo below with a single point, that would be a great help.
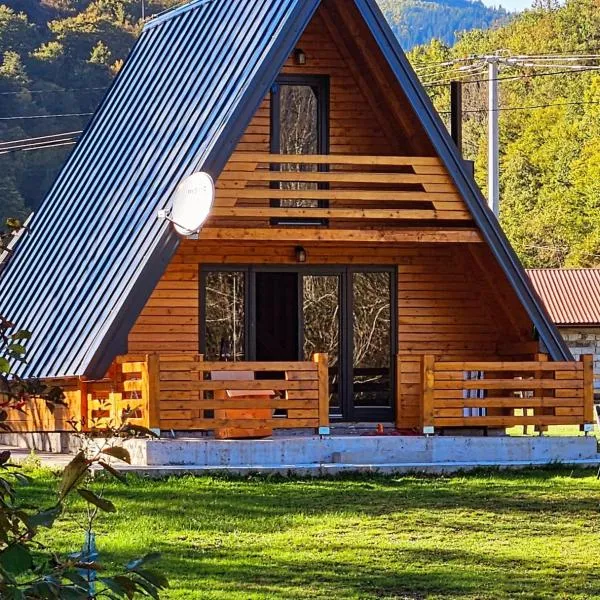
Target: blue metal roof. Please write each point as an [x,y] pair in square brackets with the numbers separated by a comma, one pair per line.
[95,249]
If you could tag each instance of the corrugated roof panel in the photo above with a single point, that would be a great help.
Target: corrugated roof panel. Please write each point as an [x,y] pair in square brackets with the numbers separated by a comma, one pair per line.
[572,296]
[164,117]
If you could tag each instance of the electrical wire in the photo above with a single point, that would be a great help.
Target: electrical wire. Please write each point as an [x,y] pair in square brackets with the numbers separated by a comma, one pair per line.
[3,145]
[532,107]
[40,144]
[67,91]
[571,55]
[46,116]
[43,147]
[513,77]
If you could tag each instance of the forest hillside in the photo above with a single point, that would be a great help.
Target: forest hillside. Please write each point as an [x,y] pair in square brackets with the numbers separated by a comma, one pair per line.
[420,21]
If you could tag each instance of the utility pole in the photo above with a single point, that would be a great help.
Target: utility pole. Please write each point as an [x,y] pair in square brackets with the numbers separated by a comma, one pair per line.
[493,137]
[456,113]
[143,11]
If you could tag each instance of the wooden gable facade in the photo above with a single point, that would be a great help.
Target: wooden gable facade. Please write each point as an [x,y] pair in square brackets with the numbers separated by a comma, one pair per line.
[374,197]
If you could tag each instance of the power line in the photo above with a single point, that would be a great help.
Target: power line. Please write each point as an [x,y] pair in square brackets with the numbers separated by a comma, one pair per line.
[46,116]
[532,107]
[66,91]
[42,147]
[40,144]
[512,77]
[571,55]
[16,118]
[35,139]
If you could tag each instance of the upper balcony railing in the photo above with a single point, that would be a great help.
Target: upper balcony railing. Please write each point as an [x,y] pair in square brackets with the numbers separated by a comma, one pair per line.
[345,187]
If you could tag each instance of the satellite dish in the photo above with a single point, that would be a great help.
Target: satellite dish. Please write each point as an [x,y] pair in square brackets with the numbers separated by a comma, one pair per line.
[192,203]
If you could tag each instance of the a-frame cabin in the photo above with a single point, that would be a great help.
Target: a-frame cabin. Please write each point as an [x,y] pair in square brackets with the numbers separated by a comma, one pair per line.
[350,270]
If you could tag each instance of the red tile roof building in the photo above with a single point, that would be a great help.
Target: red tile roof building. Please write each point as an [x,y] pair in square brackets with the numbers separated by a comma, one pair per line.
[571,296]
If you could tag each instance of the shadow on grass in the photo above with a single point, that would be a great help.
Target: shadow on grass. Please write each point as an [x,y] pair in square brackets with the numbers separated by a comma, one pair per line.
[232,501]
[415,573]
[338,536]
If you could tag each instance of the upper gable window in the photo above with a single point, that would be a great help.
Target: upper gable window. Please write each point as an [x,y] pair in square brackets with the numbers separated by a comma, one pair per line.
[299,125]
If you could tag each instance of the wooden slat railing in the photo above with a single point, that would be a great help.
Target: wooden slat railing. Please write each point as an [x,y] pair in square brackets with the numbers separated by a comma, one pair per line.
[505,394]
[353,186]
[37,416]
[192,397]
[124,394]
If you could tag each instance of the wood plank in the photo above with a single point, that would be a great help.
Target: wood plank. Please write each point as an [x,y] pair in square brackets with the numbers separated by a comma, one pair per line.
[167,364]
[507,402]
[508,366]
[508,384]
[266,193]
[234,403]
[151,379]
[335,213]
[587,361]
[507,421]
[260,384]
[322,361]
[339,177]
[208,424]
[329,159]
[428,384]
[306,234]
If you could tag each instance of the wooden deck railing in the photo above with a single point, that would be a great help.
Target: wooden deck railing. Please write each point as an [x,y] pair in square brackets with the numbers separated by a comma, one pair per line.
[350,186]
[505,394]
[184,392]
[123,394]
[194,394]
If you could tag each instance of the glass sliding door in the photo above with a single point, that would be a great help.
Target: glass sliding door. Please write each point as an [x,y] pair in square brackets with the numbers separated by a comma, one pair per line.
[372,345]
[291,313]
[321,327]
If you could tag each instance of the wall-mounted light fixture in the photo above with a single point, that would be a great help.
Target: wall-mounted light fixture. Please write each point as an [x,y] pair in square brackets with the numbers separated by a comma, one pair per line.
[300,254]
[299,57]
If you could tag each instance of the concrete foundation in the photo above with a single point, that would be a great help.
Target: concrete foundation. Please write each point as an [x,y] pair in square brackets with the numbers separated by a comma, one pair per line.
[329,455]
[57,442]
[333,454]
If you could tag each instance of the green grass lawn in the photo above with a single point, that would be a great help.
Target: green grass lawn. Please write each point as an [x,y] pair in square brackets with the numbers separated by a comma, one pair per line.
[532,535]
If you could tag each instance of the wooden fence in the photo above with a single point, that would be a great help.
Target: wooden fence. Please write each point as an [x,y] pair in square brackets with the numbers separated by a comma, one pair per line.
[505,394]
[183,392]
[194,394]
[353,186]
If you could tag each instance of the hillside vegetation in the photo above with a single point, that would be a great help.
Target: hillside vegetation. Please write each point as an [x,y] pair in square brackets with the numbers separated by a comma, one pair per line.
[550,155]
[419,21]
[57,57]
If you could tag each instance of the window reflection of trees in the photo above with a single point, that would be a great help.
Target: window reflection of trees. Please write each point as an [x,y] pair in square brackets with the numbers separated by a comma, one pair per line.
[225,315]
[371,338]
[299,130]
[321,313]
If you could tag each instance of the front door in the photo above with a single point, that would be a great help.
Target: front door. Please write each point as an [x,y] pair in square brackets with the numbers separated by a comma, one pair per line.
[279,314]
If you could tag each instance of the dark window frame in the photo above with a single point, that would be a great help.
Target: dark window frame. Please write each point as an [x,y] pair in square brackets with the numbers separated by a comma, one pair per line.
[321,85]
